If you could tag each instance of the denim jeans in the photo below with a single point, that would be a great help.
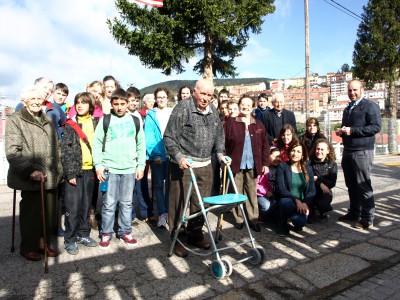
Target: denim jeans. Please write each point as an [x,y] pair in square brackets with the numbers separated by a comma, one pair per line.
[287,209]
[160,173]
[142,205]
[264,204]
[120,190]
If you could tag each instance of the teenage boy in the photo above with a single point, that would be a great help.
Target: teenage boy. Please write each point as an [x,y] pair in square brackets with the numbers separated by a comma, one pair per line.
[122,151]
[60,95]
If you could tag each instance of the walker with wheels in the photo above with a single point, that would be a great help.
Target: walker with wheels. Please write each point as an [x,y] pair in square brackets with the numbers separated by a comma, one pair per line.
[219,205]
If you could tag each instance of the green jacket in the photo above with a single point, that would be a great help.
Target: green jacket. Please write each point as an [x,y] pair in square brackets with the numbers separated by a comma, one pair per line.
[31,146]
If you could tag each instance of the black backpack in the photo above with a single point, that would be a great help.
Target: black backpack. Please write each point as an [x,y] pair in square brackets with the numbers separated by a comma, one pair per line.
[106,123]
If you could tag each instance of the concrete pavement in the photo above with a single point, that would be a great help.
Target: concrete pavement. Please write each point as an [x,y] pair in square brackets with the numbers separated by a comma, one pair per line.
[326,260]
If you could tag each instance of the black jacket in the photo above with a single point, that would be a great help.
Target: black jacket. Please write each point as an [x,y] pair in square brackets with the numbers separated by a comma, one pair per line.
[270,121]
[284,183]
[364,121]
[326,172]
[71,152]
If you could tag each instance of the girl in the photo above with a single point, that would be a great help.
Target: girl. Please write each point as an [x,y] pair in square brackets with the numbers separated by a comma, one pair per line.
[313,133]
[287,135]
[156,122]
[246,143]
[79,173]
[295,189]
[325,174]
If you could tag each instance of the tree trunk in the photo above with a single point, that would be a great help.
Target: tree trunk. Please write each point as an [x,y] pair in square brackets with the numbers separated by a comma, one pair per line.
[208,61]
[392,145]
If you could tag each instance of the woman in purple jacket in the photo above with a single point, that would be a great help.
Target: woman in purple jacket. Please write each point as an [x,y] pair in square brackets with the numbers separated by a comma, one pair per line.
[246,143]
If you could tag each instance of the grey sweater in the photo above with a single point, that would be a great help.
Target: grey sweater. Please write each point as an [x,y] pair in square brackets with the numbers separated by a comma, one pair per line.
[192,134]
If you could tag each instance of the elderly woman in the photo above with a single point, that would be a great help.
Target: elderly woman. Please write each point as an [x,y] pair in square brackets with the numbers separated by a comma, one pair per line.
[32,150]
[246,143]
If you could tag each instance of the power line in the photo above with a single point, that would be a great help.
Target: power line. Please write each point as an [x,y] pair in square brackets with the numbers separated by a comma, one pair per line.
[346,9]
[357,18]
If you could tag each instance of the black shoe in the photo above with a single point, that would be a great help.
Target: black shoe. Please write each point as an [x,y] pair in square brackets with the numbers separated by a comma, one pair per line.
[239,225]
[203,244]
[180,251]
[362,224]
[323,216]
[283,230]
[348,217]
[255,227]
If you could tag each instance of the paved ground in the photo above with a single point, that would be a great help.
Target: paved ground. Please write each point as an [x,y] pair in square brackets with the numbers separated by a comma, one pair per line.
[328,259]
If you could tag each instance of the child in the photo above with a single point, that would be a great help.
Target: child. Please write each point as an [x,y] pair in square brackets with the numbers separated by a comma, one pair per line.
[156,122]
[78,173]
[233,109]
[141,188]
[60,96]
[121,150]
[266,186]
[262,106]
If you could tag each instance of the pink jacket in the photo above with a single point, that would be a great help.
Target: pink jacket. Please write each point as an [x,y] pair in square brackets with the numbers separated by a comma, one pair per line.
[263,185]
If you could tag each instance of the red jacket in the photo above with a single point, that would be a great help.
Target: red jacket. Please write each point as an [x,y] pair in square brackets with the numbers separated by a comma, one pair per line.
[234,143]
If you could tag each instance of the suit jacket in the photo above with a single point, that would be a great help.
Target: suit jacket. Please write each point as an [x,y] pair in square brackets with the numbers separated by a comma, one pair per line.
[270,121]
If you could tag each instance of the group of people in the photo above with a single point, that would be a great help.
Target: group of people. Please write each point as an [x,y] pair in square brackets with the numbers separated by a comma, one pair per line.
[103,147]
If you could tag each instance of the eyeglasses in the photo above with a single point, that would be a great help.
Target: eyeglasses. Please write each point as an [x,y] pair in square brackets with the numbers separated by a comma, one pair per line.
[35,99]
[161,98]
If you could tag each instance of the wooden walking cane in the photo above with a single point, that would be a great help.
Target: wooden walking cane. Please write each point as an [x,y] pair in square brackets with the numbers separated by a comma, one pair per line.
[13,222]
[46,257]
[223,193]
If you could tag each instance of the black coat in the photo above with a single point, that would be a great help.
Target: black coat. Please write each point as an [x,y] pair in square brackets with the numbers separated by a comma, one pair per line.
[272,124]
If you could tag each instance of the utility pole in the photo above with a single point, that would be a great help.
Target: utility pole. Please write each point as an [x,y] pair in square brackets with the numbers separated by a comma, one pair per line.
[307,89]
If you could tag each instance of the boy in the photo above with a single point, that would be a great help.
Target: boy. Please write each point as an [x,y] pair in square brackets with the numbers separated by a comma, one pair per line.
[122,151]
[78,173]
[233,109]
[60,96]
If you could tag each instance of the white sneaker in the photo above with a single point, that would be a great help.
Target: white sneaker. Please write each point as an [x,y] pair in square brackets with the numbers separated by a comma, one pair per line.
[162,221]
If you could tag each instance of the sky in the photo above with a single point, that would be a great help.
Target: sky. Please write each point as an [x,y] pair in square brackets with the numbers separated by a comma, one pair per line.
[69,42]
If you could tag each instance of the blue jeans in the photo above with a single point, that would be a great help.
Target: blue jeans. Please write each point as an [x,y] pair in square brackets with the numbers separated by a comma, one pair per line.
[120,190]
[287,209]
[160,173]
[264,204]
[140,199]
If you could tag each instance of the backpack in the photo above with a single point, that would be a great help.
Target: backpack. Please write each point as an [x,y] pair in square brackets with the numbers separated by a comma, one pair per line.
[106,123]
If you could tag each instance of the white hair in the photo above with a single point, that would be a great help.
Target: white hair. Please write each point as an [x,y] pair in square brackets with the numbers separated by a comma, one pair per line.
[27,91]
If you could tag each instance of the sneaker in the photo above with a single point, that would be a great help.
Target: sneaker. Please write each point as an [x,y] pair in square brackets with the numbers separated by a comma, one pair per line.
[136,222]
[162,221]
[361,224]
[105,241]
[129,240]
[71,248]
[87,241]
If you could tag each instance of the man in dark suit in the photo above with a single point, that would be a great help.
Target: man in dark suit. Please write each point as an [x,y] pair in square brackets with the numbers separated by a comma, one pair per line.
[275,118]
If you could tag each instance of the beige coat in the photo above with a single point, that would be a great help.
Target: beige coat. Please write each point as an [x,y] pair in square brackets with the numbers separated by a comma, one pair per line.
[31,146]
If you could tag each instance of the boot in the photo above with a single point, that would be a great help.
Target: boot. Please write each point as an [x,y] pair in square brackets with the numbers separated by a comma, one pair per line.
[92,220]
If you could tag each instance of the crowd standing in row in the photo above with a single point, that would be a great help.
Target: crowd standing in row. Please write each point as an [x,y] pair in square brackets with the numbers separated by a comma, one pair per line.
[102,148]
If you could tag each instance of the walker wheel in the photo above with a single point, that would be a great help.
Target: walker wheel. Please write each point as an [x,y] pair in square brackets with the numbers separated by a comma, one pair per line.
[218,269]
[263,254]
[228,266]
[254,256]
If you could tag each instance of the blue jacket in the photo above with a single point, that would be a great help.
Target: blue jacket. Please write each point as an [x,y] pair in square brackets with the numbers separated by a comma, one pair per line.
[284,183]
[154,141]
[364,122]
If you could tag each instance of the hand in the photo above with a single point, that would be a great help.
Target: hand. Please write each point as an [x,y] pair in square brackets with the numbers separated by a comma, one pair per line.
[226,160]
[324,189]
[158,161]
[346,130]
[339,132]
[269,194]
[139,174]
[38,176]
[72,181]
[184,163]
[315,178]
[100,175]
[301,207]
[265,170]
[275,142]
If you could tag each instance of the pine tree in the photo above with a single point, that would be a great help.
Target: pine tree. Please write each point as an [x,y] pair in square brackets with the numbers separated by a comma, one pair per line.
[376,55]
[167,38]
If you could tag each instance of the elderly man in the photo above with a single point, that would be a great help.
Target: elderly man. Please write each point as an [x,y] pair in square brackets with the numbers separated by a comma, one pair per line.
[361,121]
[275,118]
[193,131]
